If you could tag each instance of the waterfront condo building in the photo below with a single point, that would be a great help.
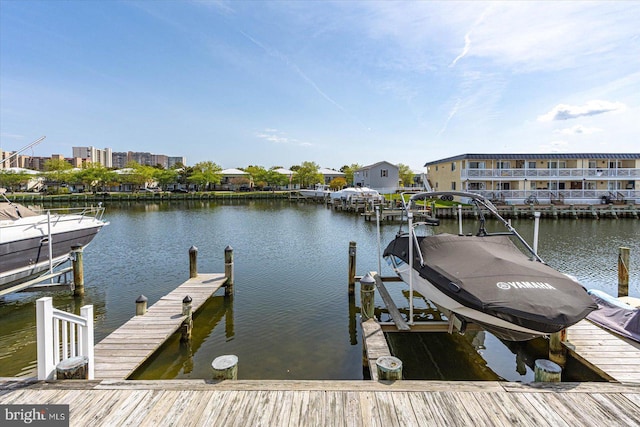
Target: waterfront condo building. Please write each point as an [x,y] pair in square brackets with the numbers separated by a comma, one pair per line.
[93,155]
[562,178]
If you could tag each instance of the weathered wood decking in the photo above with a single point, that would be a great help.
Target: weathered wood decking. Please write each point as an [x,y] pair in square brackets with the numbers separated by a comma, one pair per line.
[126,348]
[612,357]
[333,403]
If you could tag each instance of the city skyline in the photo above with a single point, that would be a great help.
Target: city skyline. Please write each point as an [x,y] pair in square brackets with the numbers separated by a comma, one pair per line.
[280,83]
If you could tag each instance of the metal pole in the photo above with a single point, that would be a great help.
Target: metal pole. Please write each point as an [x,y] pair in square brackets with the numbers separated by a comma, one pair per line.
[536,227]
[50,243]
[410,218]
[379,244]
[460,220]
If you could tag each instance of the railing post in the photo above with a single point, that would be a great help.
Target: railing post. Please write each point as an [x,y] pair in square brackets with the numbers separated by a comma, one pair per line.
[87,339]
[44,336]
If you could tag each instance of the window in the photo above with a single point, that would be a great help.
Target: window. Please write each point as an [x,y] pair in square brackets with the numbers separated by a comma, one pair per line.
[503,165]
[453,185]
[453,167]
[614,165]
[592,164]
[531,165]
[384,173]
[476,165]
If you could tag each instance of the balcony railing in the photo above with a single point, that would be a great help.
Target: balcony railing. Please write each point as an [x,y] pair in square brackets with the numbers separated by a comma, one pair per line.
[544,196]
[568,174]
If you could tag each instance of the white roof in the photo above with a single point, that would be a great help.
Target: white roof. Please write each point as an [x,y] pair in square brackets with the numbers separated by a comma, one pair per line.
[22,170]
[284,171]
[325,171]
[233,171]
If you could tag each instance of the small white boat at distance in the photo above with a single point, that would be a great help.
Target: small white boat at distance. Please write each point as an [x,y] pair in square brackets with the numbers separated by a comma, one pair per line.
[32,242]
[320,191]
[350,193]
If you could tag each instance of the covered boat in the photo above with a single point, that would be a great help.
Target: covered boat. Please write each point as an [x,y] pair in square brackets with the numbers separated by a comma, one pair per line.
[486,279]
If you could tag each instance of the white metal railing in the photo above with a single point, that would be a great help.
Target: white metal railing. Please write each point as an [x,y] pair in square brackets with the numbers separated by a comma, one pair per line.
[545,195]
[61,335]
[566,173]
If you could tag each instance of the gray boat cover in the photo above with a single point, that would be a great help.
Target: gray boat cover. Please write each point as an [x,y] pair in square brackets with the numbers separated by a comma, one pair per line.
[14,211]
[615,315]
[490,274]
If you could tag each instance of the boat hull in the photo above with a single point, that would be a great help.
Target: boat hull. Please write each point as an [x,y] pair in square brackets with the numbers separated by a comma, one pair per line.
[25,258]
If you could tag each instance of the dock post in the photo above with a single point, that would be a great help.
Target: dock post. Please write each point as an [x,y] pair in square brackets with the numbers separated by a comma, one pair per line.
[141,305]
[225,367]
[352,267]
[389,368]
[367,297]
[187,323]
[228,270]
[557,352]
[536,230]
[547,371]
[623,271]
[193,262]
[78,270]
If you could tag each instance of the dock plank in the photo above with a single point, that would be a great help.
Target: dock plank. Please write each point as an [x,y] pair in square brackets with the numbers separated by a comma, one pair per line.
[142,335]
[608,354]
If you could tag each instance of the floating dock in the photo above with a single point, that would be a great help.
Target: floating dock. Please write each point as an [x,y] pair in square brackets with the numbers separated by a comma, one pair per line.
[119,354]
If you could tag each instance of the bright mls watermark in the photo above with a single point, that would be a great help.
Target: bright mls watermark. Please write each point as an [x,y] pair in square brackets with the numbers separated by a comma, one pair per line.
[34,415]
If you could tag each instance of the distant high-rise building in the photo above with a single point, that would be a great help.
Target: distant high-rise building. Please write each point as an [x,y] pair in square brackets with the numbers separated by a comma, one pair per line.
[177,159]
[94,155]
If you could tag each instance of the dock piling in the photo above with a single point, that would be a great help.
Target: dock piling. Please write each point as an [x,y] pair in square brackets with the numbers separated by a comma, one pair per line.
[193,262]
[623,271]
[187,323]
[367,296]
[141,305]
[352,267]
[78,270]
[547,371]
[557,352]
[228,270]
[389,368]
[225,367]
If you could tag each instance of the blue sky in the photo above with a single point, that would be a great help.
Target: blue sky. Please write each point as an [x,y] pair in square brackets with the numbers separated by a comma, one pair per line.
[279,83]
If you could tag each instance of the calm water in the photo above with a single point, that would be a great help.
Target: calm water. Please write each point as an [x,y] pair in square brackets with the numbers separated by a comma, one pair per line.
[290,316]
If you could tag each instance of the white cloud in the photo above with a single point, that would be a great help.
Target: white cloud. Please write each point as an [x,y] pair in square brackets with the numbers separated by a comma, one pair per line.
[554,147]
[577,130]
[277,137]
[590,108]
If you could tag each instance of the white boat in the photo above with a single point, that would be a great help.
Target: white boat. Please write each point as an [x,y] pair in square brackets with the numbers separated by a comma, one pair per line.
[31,242]
[351,193]
[320,191]
[485,278]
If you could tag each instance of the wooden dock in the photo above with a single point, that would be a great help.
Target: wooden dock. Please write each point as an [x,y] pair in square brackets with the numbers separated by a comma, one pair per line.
[332,403]
[611,356]
[118,355]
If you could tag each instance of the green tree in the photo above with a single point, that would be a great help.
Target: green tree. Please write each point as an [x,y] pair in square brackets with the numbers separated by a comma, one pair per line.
[338,183]
[94,176]
[348,172]
[205,173]
[405,174]
[258,175]
[307,174]
[139,175]
[275,178]
[12,180]
[58,172]
[166,177]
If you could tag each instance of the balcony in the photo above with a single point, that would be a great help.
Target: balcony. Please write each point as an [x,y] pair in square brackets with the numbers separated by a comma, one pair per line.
[568,174]
[562,196]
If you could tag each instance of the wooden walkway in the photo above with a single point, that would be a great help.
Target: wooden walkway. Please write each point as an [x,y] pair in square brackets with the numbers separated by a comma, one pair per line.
[333,403]
[611,356]
[118,355]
